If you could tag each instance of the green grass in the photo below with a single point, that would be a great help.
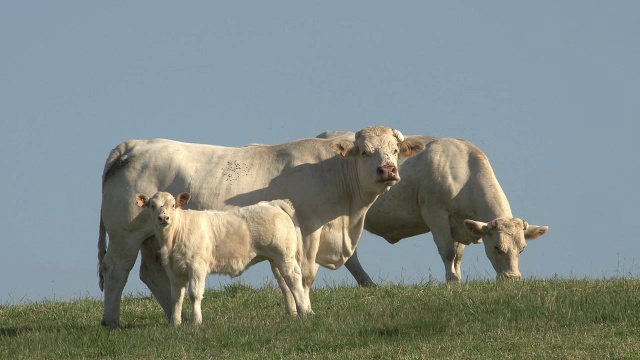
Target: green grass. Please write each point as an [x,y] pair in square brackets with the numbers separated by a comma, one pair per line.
[550,319]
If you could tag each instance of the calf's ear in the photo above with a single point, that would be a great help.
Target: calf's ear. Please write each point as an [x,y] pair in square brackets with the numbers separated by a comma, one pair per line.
[142,200]
[183,199]
[343,147]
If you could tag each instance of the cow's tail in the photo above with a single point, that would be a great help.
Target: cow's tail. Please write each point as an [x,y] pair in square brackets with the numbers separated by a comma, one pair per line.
[287,207]
[102,251]
[118,157]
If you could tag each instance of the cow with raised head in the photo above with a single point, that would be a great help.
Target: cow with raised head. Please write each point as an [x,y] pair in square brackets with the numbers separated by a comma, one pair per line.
[450,190]
[194,244]
[331,183]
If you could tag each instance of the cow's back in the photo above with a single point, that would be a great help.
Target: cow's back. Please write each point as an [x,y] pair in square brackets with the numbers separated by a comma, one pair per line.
[219,178]
[461,181]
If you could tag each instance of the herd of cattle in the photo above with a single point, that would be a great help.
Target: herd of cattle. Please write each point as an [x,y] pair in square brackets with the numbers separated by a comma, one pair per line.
[298,205]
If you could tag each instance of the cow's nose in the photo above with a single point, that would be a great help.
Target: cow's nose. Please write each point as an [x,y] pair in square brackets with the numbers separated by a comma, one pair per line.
[388,171]
[509,275]
[163,219]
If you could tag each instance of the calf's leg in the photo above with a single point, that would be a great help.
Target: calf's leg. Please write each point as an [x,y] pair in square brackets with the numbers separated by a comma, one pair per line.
[292,275]
[177,296]
[289,301]
[197,284]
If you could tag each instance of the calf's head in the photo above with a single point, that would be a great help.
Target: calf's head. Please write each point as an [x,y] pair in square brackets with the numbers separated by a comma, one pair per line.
[504,239]
[163,206]
[377,151]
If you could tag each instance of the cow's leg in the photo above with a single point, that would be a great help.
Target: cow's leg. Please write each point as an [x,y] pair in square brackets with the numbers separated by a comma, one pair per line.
[307,281]
[447,251]
[439,223]
[177,297]
[357,271]
[197,284]
[459,248]
[116,265]
[289,301]
[153,275]
[308,263]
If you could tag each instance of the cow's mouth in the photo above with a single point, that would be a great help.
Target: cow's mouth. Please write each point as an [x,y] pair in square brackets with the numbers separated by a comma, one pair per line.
[389,179]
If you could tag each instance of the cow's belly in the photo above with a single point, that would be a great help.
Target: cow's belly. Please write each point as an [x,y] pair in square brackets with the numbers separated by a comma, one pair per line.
[328,258]
[395,223]
[397,214]
[396,229]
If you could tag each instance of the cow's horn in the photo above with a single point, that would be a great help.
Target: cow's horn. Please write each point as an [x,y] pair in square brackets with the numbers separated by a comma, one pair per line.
[492,224]
[398,135]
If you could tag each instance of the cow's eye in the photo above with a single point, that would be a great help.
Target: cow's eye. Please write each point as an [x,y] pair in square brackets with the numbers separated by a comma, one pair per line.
[498,250]
[364,153]
[395,151]
[153,207]
[173,206]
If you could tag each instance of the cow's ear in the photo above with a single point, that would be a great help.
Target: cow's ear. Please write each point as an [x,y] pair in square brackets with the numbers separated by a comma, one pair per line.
[476,228]
[535,231]
[343,147]
[142,200]
[411,147]
[459,232]
[183,199]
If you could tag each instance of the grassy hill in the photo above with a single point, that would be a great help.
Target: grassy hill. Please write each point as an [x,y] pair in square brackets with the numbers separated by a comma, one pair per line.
[550,319]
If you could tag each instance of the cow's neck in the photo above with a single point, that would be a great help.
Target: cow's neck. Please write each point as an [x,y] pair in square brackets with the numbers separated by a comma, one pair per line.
[494,204]
[350,184]
[348,227]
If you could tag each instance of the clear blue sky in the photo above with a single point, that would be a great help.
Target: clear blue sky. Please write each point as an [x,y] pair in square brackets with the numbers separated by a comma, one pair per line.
[550,90]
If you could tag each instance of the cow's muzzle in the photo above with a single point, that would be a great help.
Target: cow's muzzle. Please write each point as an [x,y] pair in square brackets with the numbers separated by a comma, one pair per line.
[509,275]
[388,173]
[164,220]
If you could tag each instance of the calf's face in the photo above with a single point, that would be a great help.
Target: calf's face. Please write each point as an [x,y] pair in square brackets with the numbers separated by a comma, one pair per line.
[163,206]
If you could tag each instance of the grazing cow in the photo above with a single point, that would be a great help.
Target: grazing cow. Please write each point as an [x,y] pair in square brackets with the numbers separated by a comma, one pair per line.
[331,195]
[450,190]
[194,244]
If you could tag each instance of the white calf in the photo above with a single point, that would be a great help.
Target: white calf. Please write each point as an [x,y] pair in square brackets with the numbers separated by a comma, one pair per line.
[194,244]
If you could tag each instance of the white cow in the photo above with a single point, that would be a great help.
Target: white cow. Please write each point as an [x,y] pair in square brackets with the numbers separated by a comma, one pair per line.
[331,195]
[450,190]
[194,244]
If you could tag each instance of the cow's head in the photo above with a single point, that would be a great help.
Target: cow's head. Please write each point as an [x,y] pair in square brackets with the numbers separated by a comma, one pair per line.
[504,240]
[377,150]
[162,205]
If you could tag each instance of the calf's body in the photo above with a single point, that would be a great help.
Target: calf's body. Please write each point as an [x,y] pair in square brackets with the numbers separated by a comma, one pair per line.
[194,244]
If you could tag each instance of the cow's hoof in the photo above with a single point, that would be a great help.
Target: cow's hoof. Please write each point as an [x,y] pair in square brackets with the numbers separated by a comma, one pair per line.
[108,326]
